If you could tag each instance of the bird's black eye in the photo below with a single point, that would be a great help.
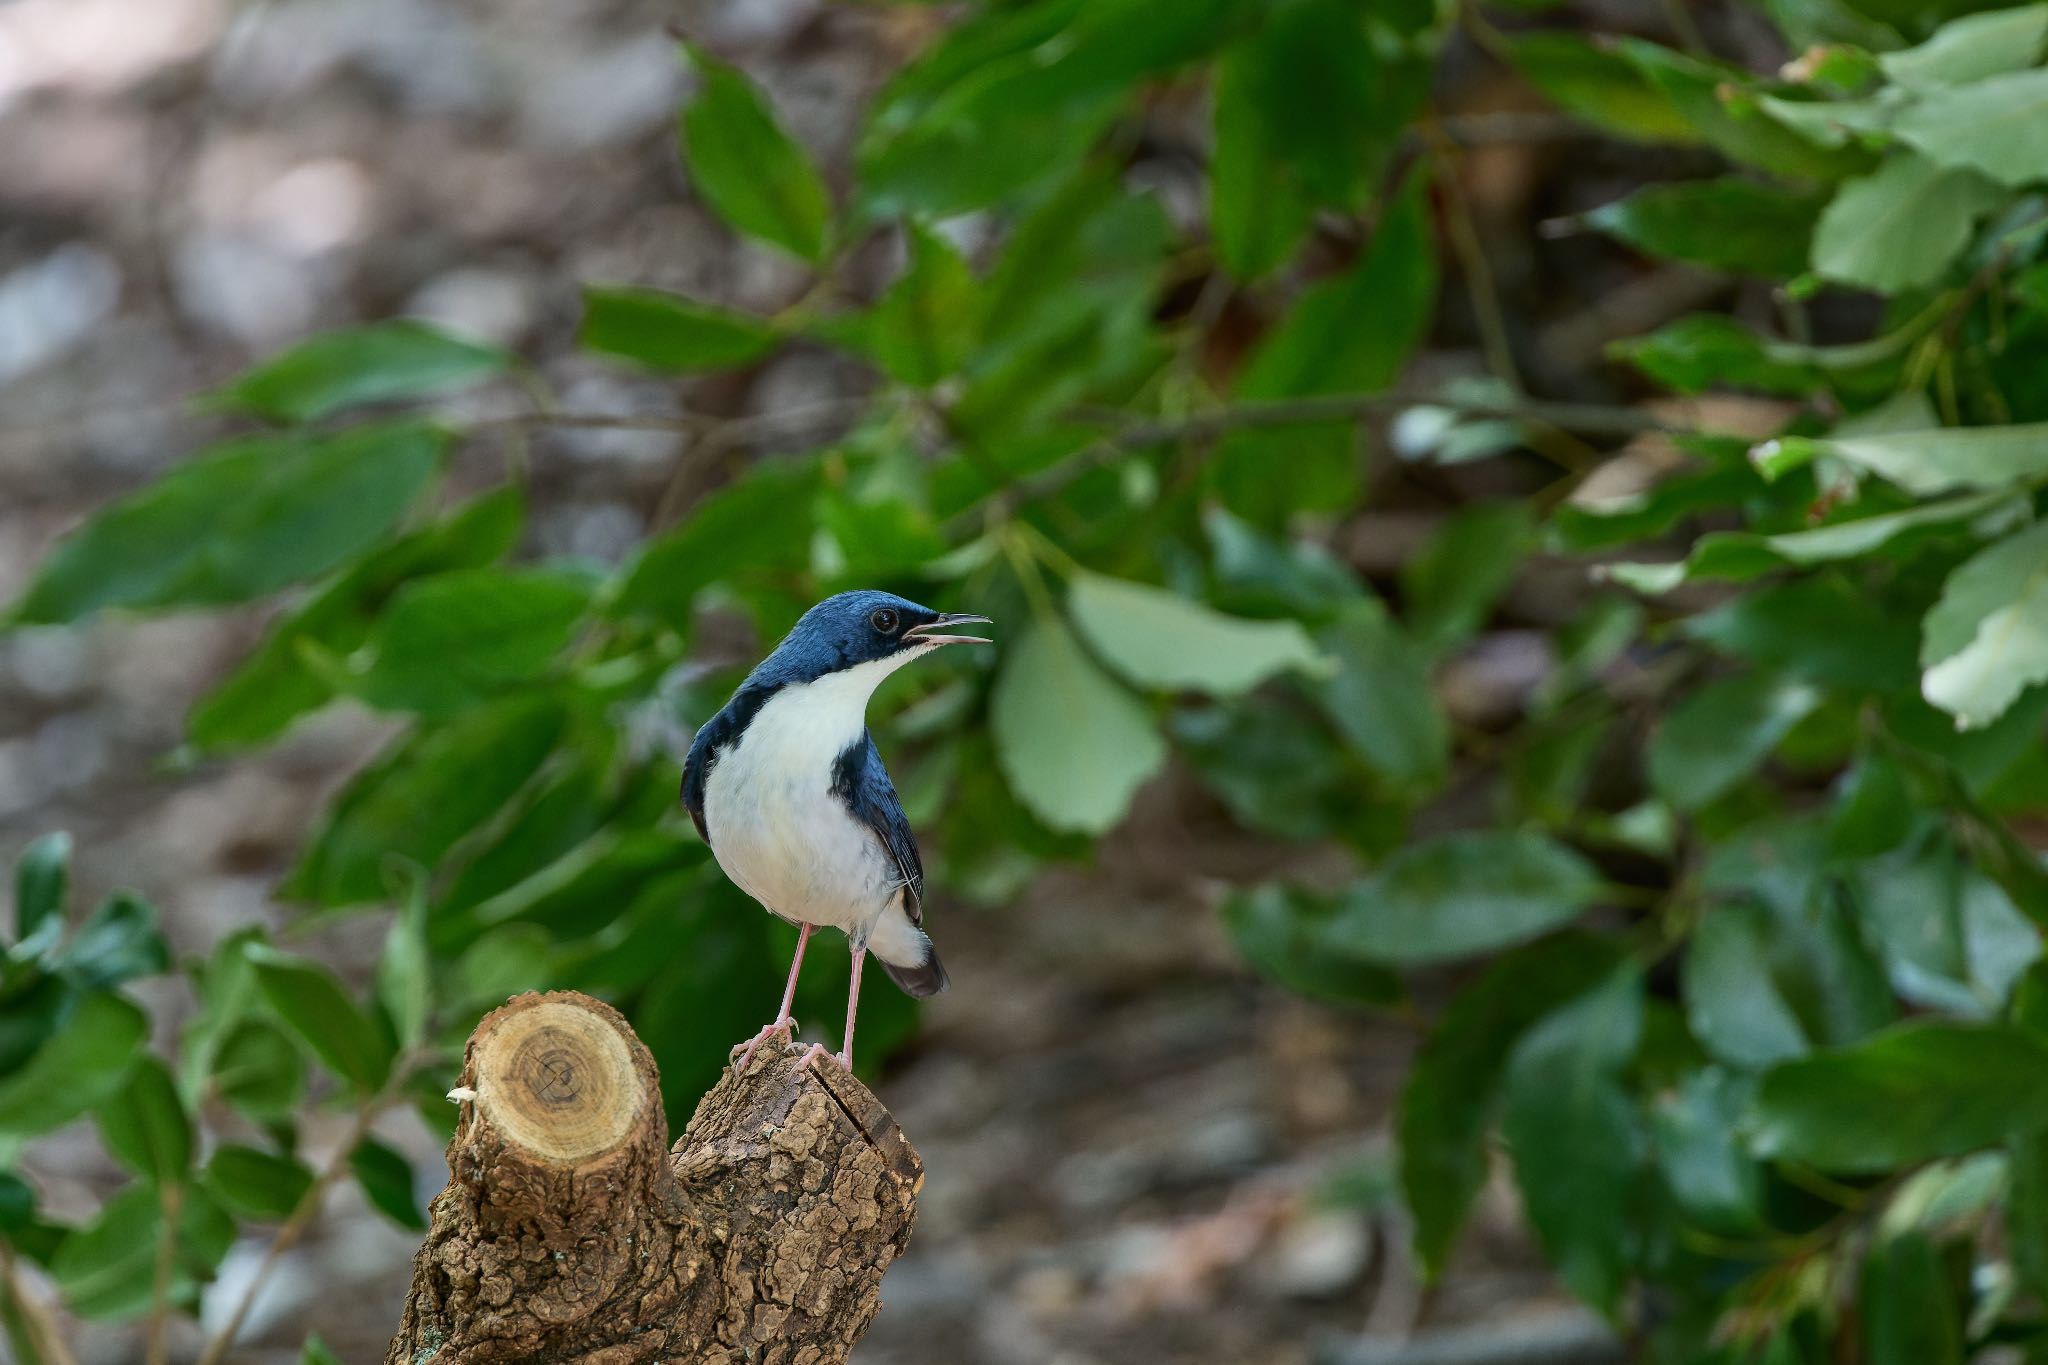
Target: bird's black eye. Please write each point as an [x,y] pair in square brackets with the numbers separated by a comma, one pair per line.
[884,620]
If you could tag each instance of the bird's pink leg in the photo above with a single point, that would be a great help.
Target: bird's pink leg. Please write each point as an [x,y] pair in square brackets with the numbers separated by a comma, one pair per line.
[781,1026]
[845,1055]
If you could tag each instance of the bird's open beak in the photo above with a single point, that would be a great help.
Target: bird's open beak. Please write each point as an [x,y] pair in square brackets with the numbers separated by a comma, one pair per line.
[924,636]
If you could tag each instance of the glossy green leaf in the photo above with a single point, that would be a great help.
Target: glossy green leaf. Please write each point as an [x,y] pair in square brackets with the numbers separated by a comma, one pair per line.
[1970,48]
[1451,584]
[239,522]
[119,940]
[1717,736]
[922,329]
[1997,126]
[448,639]
[1729,224]
[1380,697]
[1599,86]
[312,1002]
[747,167]
[1986,640]
[315,1352]
[419,799]
[1944,460]
[144,1123]
[386,1178]
[42,886]
[1733,1004]
[1695,1132]
[259,1070]
[105,1268]
[1460,895]
[1900,227]
[1719,105]
[2026,1221]
[1575,1136]
[1074,745]
[404,980]
[1908,1305]
[359,365]
[84,1062]
[1453,1088]
[276,685]
[257,1184]
[1279,929]
[1924,1089]
[1158,638]
[669,332]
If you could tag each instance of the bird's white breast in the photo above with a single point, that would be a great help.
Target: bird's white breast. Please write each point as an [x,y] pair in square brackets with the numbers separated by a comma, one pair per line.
[775,825]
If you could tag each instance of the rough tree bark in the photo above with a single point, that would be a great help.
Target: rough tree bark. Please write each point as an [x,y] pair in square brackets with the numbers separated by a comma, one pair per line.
[570,1234]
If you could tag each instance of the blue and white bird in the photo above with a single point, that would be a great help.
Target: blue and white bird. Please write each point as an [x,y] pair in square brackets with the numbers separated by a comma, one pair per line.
[786,786]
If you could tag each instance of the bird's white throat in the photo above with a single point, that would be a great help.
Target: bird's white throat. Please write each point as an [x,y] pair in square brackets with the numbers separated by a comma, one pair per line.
[823,716]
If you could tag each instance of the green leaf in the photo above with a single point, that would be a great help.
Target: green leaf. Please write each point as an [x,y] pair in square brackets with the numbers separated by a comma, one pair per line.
[669,332]
[1600,86]
[1986,640]
[404,972]
[1908,1305]
[1865,648]
[275,685]
[1998,125]
[1729,224]
[1720,106]
[1900,227]
[1072,743]
[83,1063]
[1272,763]
[757,524]
[1279,928]
[105,1268]
[1733,1003]
[259,1071]
[1968,49]
[1157,638]
[118,941]
[448,639]
[144,1123]
[1448,1102]
[315,1352]
[42,886]
[1380,697]
[1575,1136]
[356,366]
[1462,894]
[239,522]
[419,799]
[1708,350]
[1320,348]
[924,326]
[257,1184]
[1926,1088]
[1717,736]
[1947,459]
[1451,584]
[1695,1126]
[1738,556]
[312,1002]
[2026,1221]
[1301,117]
[747,167]
[386,1178]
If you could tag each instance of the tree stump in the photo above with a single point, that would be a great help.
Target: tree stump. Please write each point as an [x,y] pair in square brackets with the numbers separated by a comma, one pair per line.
[570,1233]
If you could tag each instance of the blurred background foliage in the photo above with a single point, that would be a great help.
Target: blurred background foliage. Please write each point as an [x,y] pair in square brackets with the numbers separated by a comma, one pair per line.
[1722,917]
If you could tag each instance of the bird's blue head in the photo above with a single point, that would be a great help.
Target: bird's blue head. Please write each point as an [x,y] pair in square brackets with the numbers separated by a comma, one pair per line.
[850,629]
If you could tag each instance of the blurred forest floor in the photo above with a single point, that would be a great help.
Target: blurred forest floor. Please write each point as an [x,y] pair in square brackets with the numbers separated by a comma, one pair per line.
[1131,1139]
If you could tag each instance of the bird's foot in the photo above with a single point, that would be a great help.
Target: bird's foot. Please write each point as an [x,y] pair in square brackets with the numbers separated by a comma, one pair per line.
[785,1029]
[817,1050]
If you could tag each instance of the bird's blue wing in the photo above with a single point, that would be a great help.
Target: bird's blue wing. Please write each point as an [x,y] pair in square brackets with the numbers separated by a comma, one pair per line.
[860,780]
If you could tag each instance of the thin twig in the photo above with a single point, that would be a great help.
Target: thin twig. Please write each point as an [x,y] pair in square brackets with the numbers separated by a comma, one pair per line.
[172,1196]
[1472,262]
[35,1320]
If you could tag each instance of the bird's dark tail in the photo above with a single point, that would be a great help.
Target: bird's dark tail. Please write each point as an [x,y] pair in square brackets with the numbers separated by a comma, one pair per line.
[926,979]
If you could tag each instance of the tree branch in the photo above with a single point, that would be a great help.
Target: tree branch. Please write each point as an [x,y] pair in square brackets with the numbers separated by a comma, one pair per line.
[570,1233]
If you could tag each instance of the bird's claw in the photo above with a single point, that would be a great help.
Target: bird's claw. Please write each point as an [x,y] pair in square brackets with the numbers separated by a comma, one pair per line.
[784,1029]
[817,1050]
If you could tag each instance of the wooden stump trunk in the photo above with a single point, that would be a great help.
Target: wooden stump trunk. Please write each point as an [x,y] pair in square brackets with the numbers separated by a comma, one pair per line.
[571,1232]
